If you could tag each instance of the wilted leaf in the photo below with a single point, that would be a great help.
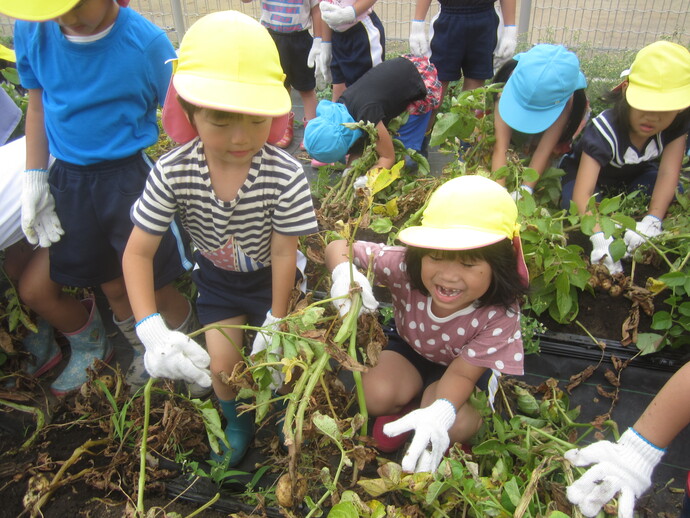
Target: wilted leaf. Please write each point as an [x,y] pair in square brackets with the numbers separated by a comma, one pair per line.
[579,378]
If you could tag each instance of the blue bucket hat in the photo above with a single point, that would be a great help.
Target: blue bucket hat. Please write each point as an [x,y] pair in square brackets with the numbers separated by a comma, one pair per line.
[325,137]
[539,88]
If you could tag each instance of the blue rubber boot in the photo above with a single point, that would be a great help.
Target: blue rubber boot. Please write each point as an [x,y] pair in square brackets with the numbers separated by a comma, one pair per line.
[87,344]
[239,432]
[44,350]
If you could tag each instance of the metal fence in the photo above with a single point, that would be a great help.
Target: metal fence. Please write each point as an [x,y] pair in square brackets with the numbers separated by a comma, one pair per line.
[598,25]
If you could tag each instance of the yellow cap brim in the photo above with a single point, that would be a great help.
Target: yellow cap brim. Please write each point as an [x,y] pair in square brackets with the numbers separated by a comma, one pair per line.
[271,100]
[448,238]
[642,98]
[36,10]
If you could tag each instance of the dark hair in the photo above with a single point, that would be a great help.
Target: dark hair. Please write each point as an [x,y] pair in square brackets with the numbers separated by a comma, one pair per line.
[190,109]
[621,111]
[506,286]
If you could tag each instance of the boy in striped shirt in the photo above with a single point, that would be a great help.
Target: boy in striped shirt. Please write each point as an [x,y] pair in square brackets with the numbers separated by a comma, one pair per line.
[244,203]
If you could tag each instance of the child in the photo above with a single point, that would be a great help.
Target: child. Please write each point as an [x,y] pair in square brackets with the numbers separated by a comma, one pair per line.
[384,92]
[455,292]
[288,25]
[244,203]
[96,73]
[354,41]
[541,107]
[627,465]
[639,143]
[464,38]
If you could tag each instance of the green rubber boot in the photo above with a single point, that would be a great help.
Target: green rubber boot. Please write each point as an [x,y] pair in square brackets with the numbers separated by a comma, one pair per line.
[44,350]
[87,344]
[239,432]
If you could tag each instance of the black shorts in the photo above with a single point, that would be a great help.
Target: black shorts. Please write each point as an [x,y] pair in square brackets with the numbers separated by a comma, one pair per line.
[358,49]
[226,294]
[462,42]
[93,203]
[428,370]
[293,48]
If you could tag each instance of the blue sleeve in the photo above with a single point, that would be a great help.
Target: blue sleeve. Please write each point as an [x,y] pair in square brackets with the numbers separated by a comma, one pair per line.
[160,53]
[22,38]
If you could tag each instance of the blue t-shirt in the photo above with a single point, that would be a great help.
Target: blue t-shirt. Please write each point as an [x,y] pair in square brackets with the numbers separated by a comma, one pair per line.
[99,98]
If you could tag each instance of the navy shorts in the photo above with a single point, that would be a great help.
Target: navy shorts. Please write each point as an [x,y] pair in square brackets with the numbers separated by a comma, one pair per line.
[293,48]
[428,370]
[358,49]
[93,203]
[226,294]
[463,42]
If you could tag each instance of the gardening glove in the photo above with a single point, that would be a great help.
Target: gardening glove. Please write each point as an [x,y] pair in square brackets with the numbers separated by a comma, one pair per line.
[40,224]
[264,339]
[336,16]
[171,354]
[341,288]
[431,425]
[419,46]
[360,182]
[313,58]
[625,467]
[650,226]
[505,48]
[323,63]
[517,194]
[600,253]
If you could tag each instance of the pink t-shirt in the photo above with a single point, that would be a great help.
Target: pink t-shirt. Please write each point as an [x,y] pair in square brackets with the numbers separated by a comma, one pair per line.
[487,336]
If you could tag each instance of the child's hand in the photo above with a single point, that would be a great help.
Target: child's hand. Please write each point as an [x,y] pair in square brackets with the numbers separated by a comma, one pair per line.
[171,354]
[625,467]
[336,16]
[419,46]
[263,340]
[601,254]
[650,226]
[323,63]
[431,425]
[40,223]
[340,289]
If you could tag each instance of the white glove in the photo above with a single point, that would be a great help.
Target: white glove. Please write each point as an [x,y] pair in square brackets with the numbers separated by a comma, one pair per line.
[505,48]
[360,182]
[650,226]
[171,354]
[600,253]
[40,224]
[419,46]
[323,63]
[517,194]
[341,288]
[625,467]
[313,58]
[263,340]
[431,425]
[336,16]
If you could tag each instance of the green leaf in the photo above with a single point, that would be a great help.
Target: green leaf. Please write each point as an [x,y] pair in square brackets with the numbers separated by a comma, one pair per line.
[381,225]
[343,510]
[661,320]
[617,249]
[674,278]
[327,425]
[564,300]
[512,489]
[588,224]
[649,342]
[609,205]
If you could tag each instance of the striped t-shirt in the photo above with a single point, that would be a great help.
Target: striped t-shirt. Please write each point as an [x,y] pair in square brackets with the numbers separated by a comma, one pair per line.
[275,196]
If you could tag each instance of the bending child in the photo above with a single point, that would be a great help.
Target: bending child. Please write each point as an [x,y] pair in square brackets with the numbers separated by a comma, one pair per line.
[541,109]
[244,203]
[637,144]
[384,92]
[455,289]
[72,56]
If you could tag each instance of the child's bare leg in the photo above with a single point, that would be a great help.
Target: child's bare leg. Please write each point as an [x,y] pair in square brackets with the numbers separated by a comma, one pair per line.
[391,385]
[46,298]
[309,102]
[170,302]
[470,84]
[338,89]
[224,353]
